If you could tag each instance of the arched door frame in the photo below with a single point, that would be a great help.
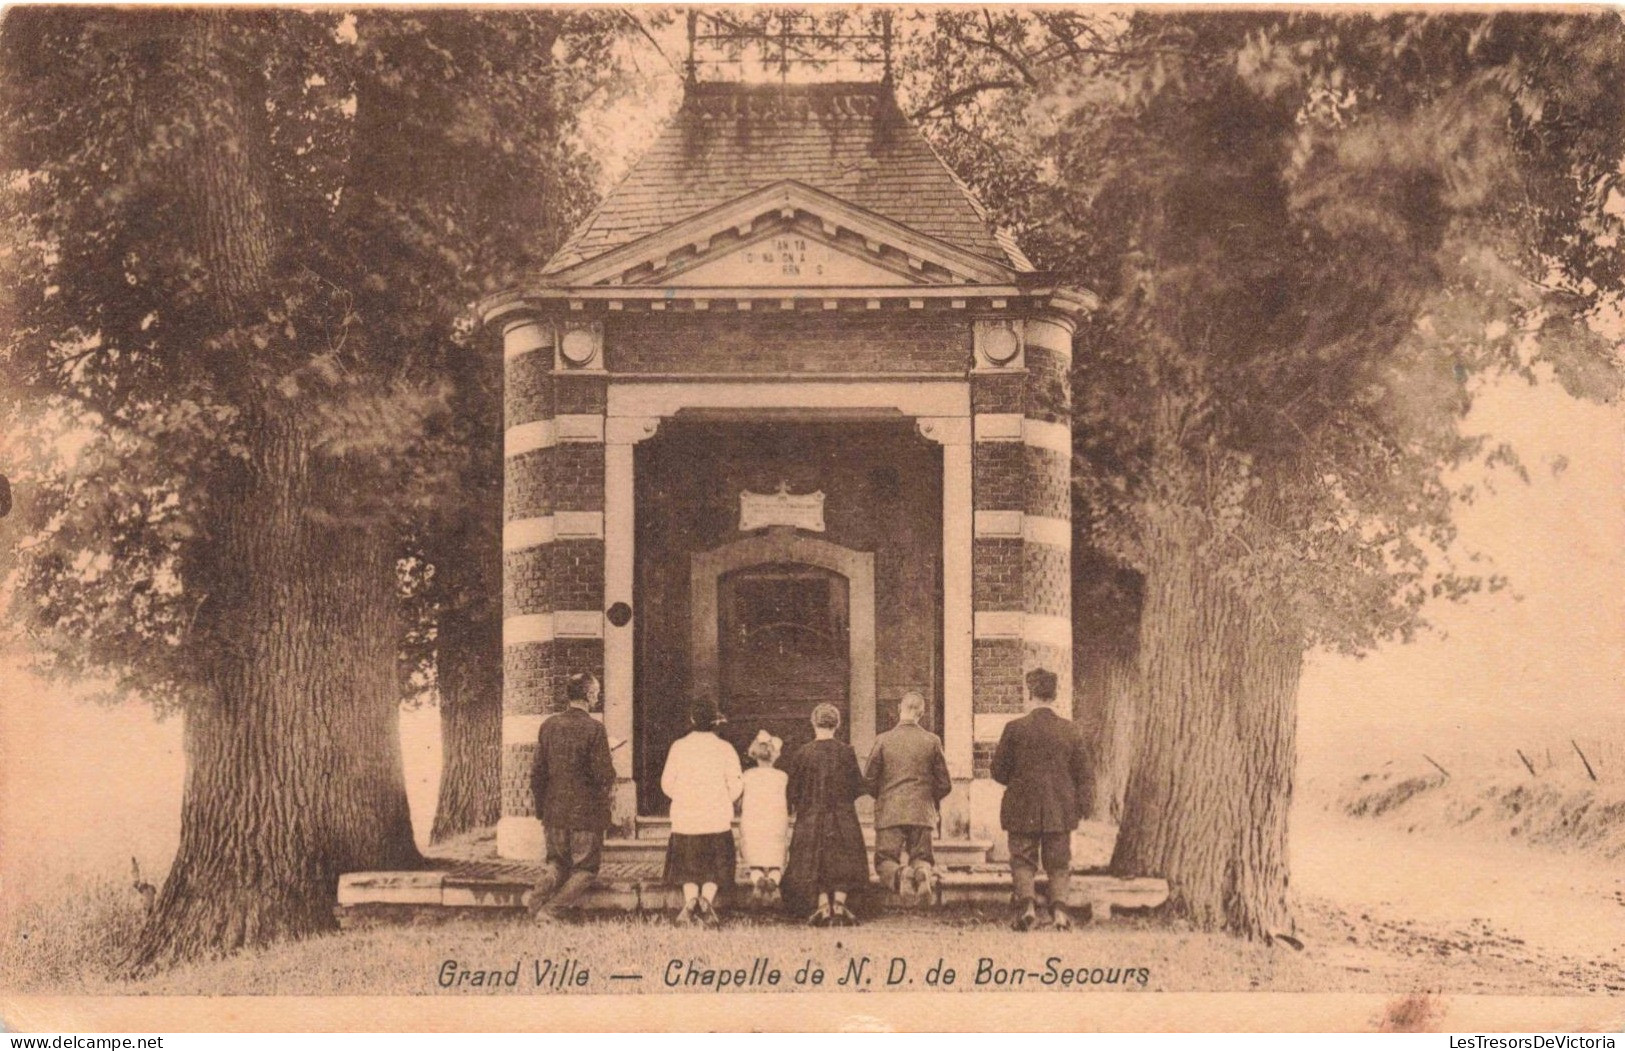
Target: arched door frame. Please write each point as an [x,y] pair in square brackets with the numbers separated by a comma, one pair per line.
[785,545]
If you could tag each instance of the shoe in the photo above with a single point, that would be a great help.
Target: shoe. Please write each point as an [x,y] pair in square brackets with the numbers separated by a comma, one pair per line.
[772,895]
[925,886]
[841,916]
[1060,920]
[708,915]
[684,917]
[902,885]
[820,917]
[1026,919]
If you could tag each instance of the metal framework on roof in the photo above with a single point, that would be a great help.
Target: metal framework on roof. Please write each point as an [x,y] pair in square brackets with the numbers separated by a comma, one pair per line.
[791,46]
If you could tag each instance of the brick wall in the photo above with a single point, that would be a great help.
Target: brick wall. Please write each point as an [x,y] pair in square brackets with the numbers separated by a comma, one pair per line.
[578,477]
[516,798]
[1048,387]
[802,341]
[527,391]
[1046,580]
[996,570]
[998,475]
[524,484]
[1021,574]
[527,678]
[997,392]
[578,393]
[997,671]
[982,758]
[1046,482]
[527,582]
[578,574]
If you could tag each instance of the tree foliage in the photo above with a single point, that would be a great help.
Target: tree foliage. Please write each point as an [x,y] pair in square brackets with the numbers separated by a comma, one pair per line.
[1315,238]
[1319,236]
[243,248]
[410,160]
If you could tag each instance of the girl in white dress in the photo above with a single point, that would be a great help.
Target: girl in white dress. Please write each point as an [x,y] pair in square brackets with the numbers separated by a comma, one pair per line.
[764,818]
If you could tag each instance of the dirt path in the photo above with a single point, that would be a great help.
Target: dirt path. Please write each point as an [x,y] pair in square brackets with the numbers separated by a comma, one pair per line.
[1414,907]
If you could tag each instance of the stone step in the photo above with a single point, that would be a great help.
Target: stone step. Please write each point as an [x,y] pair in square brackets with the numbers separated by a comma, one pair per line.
[636,887]
[653,848]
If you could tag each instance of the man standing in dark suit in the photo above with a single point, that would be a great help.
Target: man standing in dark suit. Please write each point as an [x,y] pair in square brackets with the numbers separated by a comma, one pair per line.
[571,779]
[1040,761]
[908,776]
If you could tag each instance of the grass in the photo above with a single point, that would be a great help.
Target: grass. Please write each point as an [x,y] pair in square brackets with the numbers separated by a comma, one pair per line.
[1558,806]
[1130,955]
[75,948]
[72,942]
[75,943]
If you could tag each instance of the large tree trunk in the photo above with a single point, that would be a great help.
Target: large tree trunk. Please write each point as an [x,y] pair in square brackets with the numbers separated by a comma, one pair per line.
[1108,677]
[1206,802]
[469,671]
[293,759]
[293,749]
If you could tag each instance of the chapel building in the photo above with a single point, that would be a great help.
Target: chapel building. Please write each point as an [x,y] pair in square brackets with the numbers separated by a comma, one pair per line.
[787,421]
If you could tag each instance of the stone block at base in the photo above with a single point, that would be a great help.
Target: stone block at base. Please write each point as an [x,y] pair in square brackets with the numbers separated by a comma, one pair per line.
[391,888]
[955,811]
[623,809]
[424,896]
[985,796]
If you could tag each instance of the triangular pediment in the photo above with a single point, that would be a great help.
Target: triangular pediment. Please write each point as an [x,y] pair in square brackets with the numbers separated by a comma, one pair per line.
[787,235]
[788,254]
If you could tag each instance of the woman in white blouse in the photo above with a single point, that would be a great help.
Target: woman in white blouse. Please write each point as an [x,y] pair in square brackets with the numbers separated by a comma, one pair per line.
[702,779]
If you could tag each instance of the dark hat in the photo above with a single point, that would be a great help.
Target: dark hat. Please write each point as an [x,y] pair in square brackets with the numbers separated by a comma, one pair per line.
[703,714]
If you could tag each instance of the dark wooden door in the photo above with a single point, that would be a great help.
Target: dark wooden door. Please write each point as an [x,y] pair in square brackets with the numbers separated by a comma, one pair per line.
[783,647]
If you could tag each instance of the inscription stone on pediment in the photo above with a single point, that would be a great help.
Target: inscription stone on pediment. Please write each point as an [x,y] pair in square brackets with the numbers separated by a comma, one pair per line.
[790,259]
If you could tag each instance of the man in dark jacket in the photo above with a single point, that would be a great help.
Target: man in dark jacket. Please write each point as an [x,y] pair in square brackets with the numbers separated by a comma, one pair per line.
[1040,761]
[908,776]
[571,780]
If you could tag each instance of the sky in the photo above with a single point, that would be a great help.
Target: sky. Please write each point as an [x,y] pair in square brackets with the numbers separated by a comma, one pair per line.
[1529,667]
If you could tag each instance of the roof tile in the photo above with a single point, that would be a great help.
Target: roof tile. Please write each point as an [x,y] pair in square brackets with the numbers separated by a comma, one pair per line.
[848,140]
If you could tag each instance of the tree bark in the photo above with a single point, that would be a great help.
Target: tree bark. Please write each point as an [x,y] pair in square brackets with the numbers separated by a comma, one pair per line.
[469,672]
[292,742]
[1108,677]
[293,755]
[1206,801]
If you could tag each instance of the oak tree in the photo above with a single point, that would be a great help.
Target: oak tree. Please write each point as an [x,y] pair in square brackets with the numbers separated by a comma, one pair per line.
[235,243]
[1316,237]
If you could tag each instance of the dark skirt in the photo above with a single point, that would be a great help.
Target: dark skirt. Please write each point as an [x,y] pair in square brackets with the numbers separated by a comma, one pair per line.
[827,853]
[706,858]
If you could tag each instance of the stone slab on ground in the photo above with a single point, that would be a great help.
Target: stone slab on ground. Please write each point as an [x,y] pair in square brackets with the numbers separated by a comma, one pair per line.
[638,887]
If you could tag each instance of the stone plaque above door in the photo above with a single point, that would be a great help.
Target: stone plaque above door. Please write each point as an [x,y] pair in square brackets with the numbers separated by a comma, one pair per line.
[782,508]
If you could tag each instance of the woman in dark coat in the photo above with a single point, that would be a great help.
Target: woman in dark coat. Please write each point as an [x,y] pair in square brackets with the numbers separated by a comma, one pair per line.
[828,858]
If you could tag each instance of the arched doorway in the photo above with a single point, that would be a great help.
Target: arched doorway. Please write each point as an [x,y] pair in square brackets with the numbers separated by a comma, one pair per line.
[781,622]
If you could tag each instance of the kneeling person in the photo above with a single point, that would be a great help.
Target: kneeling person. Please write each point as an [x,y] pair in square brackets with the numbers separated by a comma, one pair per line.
[702,779]
[571,780]
[908,776]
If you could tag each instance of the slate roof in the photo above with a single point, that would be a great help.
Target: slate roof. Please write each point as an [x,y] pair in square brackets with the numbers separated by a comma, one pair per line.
[848,140]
